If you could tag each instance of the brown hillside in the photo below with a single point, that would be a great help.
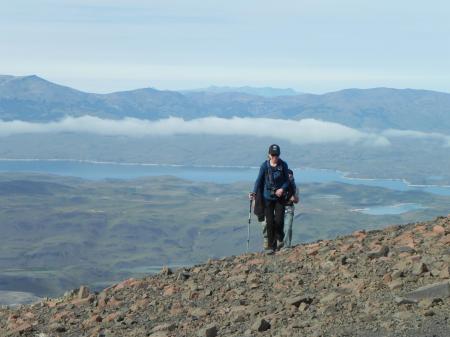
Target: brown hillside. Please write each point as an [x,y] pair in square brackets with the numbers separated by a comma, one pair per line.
[393,282]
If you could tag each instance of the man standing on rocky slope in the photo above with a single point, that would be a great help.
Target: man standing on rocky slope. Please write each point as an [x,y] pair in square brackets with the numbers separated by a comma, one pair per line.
[272,182]
[291,197]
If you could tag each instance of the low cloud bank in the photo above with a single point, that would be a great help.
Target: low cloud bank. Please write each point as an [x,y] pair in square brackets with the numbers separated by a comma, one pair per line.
[305,131]
[393,133]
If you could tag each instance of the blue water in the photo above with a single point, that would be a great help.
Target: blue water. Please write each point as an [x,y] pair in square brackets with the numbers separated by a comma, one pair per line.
[216,174]
[390,210]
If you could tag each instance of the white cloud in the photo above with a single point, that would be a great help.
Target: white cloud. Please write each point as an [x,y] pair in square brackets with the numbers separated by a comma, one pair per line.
[393,133]
[305,131]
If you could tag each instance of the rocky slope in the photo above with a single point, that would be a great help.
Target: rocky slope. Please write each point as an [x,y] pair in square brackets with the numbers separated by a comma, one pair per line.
[393,282]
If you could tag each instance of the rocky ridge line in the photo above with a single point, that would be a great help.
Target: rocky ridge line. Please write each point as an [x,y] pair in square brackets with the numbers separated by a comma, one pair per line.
[391,282]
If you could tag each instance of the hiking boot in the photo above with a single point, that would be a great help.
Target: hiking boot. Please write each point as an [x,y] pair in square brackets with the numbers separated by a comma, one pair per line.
[269,251]
[280,244]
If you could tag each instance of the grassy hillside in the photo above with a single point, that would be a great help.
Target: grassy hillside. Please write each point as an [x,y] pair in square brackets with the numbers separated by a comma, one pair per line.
[60,232]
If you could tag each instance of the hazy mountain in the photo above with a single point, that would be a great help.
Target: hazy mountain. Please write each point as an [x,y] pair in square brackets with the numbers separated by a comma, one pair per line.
[258,91]
[34,99]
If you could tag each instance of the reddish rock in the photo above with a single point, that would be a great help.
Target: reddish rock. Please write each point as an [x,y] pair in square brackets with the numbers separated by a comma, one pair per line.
[387,278]
[420,229]
[62,315]
[29,315]
[85,301]
[111,317]
[445,272]
[430,235]
[256,262]
[170,290]
[102,299]
[176,309]
[193,295]
[405,239]
[51,303]
[13,317]
[359,235]
[439,230]
[445,239]
[293,258]
[416,258]
[288,278]
[114,302]
[356,286]
[312,251]
[139,305]
[20,327]
[131,283]
[93,320]
[345,248]
[280,286]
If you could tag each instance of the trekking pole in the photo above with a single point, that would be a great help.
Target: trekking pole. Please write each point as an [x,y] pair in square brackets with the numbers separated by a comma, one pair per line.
[248,227]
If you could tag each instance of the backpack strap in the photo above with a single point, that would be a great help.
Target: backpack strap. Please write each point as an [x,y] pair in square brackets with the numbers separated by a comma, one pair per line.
[269,174]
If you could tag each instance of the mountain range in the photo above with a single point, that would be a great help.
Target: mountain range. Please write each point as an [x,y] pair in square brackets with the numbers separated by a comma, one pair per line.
[31,98]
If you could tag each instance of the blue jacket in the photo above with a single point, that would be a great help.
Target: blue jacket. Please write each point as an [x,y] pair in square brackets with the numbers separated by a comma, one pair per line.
[280,179]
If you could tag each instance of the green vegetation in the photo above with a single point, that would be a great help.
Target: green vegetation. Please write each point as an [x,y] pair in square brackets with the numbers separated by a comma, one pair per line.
[58,233]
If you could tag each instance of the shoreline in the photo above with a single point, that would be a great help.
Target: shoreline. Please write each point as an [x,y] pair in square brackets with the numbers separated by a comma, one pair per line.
[342,174]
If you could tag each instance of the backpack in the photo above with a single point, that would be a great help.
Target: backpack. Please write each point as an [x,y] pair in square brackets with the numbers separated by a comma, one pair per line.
[269,177]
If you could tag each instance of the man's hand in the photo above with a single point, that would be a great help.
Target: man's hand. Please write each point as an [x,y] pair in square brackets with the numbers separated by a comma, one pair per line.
[252,195]
[279,192]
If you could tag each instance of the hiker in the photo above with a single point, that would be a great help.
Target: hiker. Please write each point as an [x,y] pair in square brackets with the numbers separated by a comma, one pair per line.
[272,182]
[291,198]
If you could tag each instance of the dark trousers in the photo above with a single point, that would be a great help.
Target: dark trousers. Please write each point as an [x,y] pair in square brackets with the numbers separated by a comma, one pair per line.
[274,212]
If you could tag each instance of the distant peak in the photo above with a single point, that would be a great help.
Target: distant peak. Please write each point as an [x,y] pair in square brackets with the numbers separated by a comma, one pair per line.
[33,77]
[258,91]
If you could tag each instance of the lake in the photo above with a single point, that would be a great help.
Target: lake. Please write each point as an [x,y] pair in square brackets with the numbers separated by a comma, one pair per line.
[390,210]
[216,174]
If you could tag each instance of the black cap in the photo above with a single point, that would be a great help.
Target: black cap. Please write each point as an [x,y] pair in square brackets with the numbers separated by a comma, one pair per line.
[274,149]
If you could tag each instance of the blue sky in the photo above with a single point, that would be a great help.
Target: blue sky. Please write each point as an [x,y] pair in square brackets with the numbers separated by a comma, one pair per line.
[311,46]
